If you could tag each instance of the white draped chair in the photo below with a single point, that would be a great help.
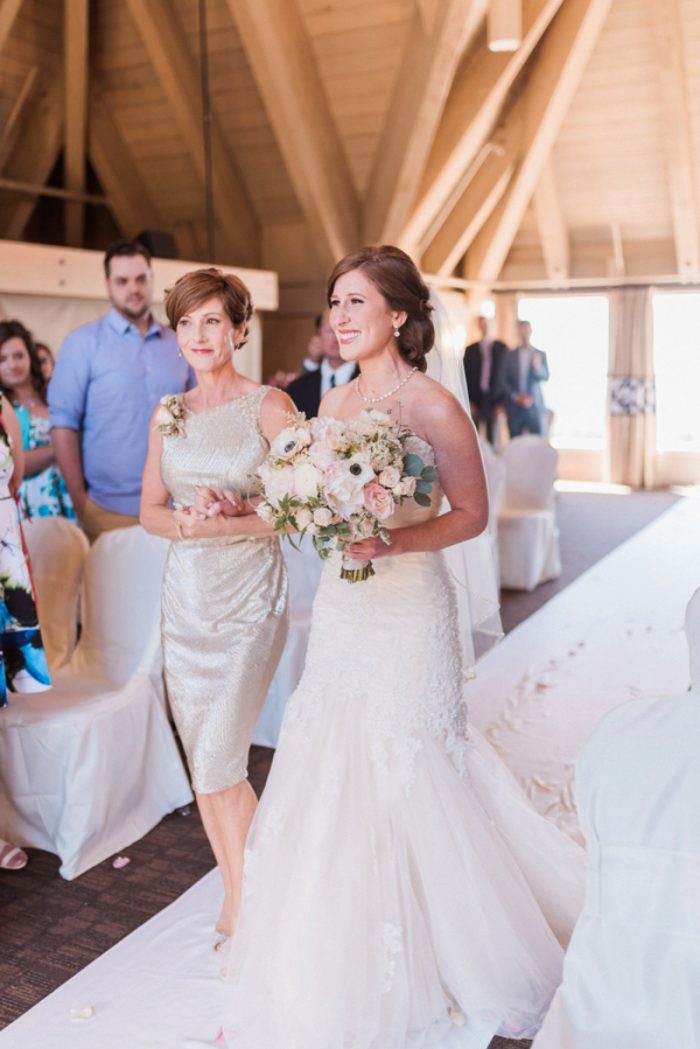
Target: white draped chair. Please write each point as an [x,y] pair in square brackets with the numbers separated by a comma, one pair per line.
[495,470]
[304,568]
[57,552]
[528,537]
[92,765]
[632,970]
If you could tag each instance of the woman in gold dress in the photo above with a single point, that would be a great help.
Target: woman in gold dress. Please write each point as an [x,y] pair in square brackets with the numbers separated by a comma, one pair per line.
[224,606]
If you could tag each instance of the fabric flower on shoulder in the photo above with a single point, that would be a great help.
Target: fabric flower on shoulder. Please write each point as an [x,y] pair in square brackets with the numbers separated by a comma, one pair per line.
[170,417]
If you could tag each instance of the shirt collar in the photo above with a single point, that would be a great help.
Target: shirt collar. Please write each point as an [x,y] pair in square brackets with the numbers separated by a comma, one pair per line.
[123,327]
[343,370]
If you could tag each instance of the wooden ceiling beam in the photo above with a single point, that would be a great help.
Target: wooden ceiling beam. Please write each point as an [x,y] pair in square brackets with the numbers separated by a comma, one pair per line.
[17,112]
[167,47]
[539,111]
[554,235]
[437,40]
[9,9]
[678,136]
[75,93]
[34,152]
[479,90]
[470,212]
[287,76]
[129,199]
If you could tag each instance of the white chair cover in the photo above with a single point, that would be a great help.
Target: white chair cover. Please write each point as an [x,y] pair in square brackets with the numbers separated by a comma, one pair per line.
[92,765]
[57,552]
[528,539]
[495,479]
[304,568]
[632,971]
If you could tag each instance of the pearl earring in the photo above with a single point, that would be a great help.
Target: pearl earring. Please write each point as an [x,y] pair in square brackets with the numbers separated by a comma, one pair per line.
[397,332]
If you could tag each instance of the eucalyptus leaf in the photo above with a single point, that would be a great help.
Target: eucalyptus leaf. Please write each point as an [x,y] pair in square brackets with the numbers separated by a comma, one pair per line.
[429,474]
[413,465]
[422,499]
[424,487]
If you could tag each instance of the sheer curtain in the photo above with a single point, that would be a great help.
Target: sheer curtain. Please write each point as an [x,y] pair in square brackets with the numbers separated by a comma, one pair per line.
[632,396]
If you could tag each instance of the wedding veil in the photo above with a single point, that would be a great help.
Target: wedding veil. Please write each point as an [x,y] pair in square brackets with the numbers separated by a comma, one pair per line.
[471,563]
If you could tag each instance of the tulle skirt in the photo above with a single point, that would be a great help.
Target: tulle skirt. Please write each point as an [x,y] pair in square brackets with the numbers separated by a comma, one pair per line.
[374,919]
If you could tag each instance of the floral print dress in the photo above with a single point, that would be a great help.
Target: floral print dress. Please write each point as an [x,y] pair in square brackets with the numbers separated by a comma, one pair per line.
[45,494]
[23,666]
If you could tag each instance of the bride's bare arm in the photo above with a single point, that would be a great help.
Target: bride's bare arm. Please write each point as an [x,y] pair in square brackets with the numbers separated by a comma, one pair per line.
[450,432]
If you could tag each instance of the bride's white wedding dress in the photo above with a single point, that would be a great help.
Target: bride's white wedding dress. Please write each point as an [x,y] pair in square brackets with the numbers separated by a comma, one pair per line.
[400,891]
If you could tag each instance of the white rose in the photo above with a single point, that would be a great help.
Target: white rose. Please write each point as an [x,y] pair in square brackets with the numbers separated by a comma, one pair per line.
[265,512]
[389,477]
[406,487]
[322,517]
[321,455]
[163,416]
[303,518]
[277,482]
[306,480]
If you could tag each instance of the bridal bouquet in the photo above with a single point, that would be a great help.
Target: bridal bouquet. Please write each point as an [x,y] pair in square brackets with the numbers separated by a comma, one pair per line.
[339,481]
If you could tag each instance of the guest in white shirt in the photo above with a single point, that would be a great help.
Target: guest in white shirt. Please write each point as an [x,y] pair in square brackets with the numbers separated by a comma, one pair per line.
[311,386]
[524,370]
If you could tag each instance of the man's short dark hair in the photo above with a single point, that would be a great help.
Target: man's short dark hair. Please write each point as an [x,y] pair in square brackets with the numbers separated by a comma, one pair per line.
[128,248]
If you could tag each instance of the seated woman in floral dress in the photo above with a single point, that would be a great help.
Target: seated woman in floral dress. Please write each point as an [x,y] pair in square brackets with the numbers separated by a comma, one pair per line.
[23,666]
[43,492]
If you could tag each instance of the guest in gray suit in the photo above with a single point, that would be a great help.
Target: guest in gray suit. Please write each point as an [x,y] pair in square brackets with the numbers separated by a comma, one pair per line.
[523,371]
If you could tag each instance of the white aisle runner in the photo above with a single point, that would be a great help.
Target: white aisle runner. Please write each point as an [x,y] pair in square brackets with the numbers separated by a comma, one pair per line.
[614,634]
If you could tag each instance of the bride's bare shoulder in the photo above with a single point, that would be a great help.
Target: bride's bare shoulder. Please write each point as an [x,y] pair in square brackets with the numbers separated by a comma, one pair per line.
[436,398]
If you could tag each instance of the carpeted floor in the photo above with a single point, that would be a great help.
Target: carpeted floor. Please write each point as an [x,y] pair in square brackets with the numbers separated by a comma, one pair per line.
[51,928]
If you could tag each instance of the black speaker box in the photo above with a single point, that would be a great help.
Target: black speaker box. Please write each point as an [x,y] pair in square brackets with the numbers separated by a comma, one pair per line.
[160,244]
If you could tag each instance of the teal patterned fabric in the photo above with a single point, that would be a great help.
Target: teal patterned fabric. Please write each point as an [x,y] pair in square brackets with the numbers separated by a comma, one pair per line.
[45,494]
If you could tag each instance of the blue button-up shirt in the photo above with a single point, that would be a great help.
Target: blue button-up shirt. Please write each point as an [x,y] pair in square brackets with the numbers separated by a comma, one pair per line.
[107,380]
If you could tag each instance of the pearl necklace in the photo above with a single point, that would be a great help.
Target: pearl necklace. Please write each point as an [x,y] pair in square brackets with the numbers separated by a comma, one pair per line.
[383,396]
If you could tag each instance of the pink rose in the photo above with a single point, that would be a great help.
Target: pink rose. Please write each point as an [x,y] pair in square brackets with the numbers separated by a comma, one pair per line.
[378,501]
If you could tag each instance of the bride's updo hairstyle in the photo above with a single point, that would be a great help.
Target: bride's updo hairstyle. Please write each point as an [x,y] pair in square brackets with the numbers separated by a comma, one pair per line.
[193,289]
[396,276]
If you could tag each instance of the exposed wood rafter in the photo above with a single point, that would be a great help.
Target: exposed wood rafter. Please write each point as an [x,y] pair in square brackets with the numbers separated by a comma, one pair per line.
[474,205]
[17,112]
[286,73]
[34,152]
[167,47]
[554,235]
[682,174]
[478,93]
[540,112]
[9,9]
[75,89]
[427,71]
[129,200]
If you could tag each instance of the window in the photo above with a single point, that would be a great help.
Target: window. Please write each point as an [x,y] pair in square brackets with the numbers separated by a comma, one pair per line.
[573,331]
[677,367]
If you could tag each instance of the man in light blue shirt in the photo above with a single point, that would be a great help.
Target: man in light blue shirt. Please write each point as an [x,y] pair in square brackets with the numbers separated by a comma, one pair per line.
[109,376]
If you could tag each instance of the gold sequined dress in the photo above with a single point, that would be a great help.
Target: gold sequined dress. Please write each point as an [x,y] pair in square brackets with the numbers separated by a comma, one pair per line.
[224,606]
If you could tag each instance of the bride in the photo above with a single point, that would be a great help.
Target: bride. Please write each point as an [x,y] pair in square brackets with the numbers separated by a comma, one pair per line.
[400,892]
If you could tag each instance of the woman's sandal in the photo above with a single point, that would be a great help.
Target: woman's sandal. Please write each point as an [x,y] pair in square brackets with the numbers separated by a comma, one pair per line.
[12,858]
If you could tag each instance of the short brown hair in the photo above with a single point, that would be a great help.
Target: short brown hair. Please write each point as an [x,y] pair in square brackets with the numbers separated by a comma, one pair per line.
[195,288]
[396,276]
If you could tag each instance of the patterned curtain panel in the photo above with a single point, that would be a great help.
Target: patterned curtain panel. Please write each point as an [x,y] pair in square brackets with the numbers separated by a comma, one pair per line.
[632,394]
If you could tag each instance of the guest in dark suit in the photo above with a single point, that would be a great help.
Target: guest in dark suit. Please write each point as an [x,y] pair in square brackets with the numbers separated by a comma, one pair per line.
[483,361]
[524,370]
[310,387]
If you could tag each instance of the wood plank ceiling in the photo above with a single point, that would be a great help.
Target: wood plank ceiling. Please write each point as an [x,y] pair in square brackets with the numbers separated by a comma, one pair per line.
[336,122]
